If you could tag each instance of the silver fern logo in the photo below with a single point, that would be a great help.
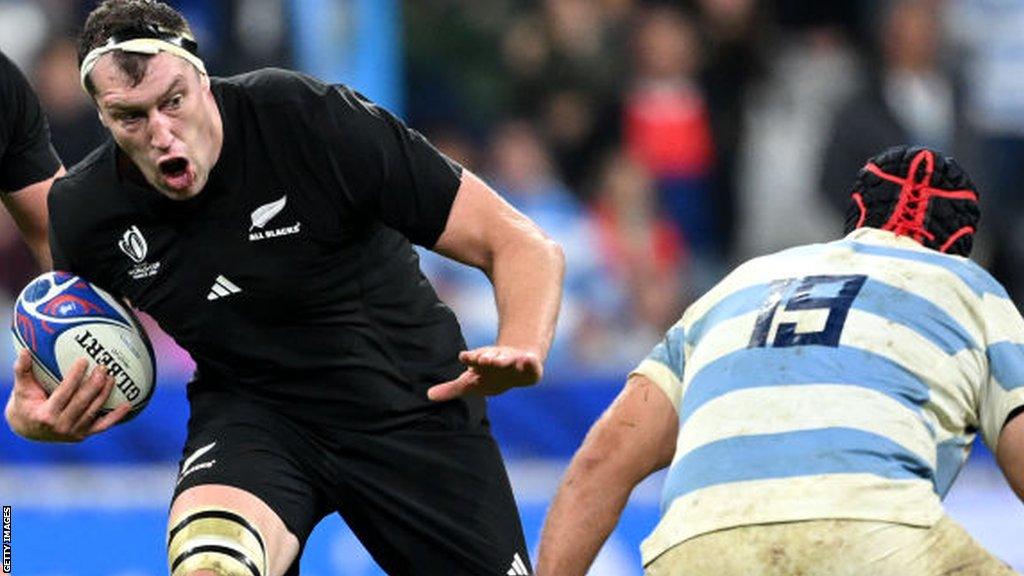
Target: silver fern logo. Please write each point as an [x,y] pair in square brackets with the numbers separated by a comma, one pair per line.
[133,243]
[264,214]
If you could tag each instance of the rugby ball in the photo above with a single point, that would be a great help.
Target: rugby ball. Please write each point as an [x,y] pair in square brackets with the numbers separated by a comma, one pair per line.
[59,318]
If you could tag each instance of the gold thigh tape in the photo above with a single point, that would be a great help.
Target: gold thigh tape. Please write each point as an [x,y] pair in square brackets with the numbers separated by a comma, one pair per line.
[221,564]
[217,540]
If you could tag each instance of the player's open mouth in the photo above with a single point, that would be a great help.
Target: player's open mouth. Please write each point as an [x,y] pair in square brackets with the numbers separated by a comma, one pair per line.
[176,173]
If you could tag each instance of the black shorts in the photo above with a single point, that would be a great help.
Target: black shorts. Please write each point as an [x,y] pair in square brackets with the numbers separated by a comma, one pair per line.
[422,500]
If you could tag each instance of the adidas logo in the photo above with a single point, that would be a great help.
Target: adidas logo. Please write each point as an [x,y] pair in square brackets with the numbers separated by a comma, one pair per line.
[222,287]
[518,567]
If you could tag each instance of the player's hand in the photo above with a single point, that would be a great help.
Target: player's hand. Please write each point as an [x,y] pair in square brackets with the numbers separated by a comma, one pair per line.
[491,370]
[70,414]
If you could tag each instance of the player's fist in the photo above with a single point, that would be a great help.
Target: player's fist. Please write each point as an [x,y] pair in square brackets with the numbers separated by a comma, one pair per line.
[491,370]
[70,414]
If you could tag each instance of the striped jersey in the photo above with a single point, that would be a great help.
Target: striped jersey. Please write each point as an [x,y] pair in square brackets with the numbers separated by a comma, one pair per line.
[839,380]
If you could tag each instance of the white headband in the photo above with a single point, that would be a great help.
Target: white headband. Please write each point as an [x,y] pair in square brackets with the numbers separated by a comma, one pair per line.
[138,46]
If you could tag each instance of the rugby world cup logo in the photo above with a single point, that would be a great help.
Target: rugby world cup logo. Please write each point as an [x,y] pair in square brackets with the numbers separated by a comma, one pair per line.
[134,245]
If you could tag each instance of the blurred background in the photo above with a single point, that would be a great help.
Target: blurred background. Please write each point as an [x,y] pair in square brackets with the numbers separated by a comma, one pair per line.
[660,143]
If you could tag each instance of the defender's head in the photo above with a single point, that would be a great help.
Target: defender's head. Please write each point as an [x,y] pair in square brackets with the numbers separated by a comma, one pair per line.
[140,63]
[918,193]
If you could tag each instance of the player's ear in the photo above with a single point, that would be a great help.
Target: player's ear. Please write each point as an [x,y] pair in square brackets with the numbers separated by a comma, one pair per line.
[99,114]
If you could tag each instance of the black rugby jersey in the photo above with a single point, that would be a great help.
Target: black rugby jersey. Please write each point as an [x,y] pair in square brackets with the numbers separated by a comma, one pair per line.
[290,278]
[26,155]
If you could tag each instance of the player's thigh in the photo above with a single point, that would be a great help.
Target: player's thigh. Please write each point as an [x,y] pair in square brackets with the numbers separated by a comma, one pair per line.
[256,465]
[227,530]
[432,502]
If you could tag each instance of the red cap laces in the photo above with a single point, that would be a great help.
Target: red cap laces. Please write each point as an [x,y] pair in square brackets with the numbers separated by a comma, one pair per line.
[908,217]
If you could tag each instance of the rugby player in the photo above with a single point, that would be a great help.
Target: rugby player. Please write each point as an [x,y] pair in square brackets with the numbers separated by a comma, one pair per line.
[266,221]
[815,406]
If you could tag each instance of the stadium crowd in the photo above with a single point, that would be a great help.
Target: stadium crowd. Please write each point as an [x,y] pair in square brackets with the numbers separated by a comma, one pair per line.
[658,142]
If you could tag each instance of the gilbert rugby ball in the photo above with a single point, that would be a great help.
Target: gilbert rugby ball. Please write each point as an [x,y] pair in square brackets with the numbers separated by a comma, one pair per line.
[59,318]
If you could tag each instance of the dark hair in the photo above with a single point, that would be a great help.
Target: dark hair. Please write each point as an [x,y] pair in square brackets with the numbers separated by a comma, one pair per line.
[126,19]
[919,193]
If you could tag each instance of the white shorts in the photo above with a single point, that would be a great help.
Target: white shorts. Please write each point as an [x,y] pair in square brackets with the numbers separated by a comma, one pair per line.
[831,548]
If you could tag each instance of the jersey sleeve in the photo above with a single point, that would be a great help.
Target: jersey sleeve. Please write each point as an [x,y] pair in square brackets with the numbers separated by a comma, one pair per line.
[58,228]
[388,171]
[26,155]
[1003,392]
[664,365]
[60,259]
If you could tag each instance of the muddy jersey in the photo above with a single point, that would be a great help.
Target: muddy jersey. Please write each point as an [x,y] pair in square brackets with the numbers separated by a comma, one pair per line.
[845,380]
[290,278]
[26,156]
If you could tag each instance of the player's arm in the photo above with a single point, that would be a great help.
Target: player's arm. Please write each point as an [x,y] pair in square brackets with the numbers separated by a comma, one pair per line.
[392,174]
[632,439]
[526,269]
[28,208]
[1010,452]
